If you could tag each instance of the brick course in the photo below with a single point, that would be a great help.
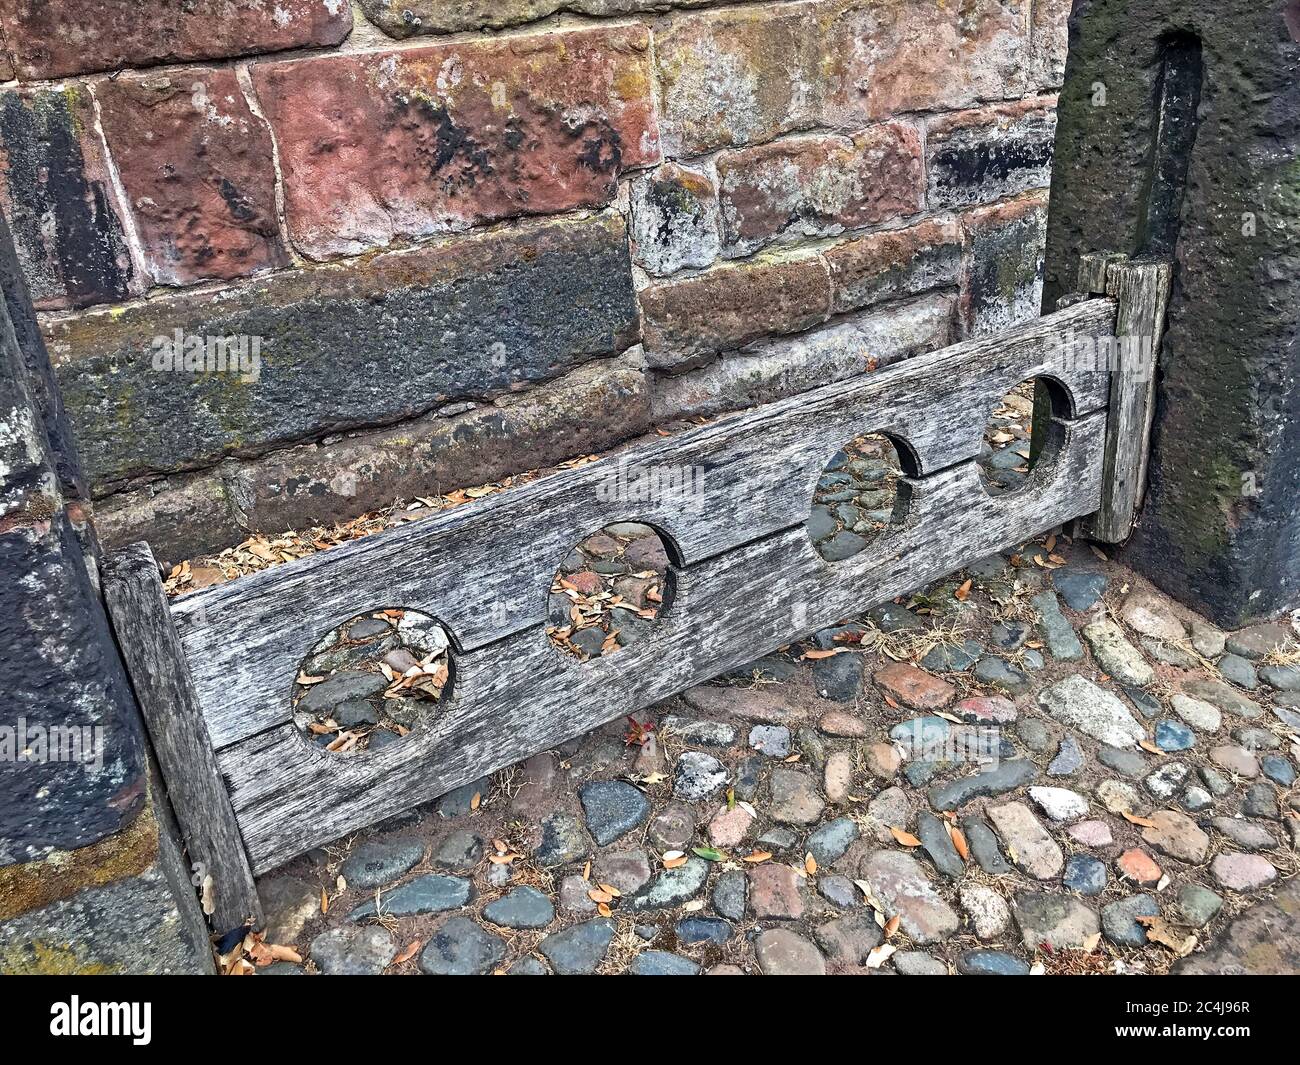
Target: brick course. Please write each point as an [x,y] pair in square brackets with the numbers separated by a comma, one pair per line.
[776,184]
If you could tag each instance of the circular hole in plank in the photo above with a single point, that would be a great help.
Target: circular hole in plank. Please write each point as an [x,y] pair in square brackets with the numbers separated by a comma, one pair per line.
[860,495]
[1008,453]
[373,680]
[609,591]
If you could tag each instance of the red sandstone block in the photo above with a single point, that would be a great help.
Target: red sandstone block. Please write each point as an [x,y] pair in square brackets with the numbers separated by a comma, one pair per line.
[197,166]
[382,146]
[819,186]
[739,76]
[731,305]
[895,56]
[898,262]
[51,38]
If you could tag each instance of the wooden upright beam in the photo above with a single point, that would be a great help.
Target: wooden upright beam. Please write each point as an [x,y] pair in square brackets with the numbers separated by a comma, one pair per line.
[1142,292]
[151,648]
[1094,268]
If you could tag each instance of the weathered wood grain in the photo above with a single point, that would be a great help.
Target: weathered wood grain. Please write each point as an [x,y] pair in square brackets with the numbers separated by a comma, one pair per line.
[1142,291]
[1093,269]
[152,651]
[484,570]
[519,695]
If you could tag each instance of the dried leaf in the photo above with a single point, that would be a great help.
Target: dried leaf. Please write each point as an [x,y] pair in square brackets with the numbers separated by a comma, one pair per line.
[1160,931]
[411,950]
[1134,819]
[508,858]
[757,856]
[963,591]
[905,838]
[810,864]
[958,841]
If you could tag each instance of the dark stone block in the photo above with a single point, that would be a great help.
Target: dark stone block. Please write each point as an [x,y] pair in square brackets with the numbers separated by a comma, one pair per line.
[65,217]
[60,670]
[977,157]
[368,343]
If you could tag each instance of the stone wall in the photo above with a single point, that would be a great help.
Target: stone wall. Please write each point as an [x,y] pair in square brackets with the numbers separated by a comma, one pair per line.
[472,238]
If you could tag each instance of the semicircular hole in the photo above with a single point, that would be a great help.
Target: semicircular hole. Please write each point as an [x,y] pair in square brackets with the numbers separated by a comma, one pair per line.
[373,680]
[609,591]
[859,496]
[1009,454]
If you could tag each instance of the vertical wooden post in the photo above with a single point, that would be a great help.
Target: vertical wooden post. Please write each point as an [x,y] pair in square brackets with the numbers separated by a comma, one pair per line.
[155,661]
[1094,269]
[1142,289]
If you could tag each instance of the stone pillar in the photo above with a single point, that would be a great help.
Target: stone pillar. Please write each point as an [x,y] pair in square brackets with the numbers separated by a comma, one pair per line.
[1179,135]
[91,875]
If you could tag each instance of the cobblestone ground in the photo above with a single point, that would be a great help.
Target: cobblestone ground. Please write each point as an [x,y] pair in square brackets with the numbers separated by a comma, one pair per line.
[1037,765]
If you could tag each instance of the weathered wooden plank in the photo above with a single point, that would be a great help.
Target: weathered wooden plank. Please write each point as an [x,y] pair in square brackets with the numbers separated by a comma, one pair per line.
[152,651]
[519,695]
[1093,268]
[1142,290]
[750,475]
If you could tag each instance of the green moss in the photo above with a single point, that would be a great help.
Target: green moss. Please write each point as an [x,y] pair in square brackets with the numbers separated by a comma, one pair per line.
[28,886]
[48,959]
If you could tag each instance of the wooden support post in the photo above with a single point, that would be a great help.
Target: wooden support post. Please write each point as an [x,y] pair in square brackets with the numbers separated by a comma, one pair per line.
[1092,280]
[1094,269]
[152,651]
[1142,290]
